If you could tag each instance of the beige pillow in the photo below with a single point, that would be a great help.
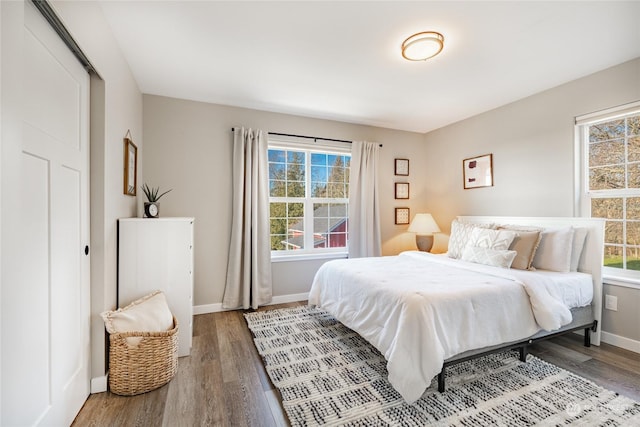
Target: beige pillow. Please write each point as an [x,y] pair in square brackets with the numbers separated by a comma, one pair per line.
[460,232]
[488,256]
[147,314]
[525,244]
[554,250]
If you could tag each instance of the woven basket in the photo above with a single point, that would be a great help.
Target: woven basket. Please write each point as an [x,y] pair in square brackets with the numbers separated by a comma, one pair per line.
[145,367]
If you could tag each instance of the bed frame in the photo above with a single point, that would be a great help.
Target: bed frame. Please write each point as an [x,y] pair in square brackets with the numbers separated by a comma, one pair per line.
[586,319]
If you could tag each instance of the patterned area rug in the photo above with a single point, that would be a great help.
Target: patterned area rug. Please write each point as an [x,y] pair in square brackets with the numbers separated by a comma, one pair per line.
[328,375]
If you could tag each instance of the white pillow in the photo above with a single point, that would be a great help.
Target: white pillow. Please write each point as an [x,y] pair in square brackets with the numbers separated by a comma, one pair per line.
[499,240]
[147,314]
[460,232]
[579,238]
[554,250]
[488,256]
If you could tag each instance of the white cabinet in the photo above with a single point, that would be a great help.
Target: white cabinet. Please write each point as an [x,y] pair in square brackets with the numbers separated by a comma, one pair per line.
[157,253]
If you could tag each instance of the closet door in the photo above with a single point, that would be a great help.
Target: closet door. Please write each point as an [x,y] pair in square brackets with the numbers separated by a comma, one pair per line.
[45,218]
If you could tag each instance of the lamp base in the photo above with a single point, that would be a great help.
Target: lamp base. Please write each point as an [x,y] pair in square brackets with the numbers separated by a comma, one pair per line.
[424,243]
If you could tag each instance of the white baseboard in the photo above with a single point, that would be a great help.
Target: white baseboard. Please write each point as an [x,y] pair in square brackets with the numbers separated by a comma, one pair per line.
[622,342]
[99,384]
[280,299]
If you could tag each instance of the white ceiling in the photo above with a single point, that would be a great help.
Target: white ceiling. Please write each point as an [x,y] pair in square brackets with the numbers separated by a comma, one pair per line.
[341,60]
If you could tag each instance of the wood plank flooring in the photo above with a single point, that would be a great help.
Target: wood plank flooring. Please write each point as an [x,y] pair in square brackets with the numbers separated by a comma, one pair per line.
[223,381]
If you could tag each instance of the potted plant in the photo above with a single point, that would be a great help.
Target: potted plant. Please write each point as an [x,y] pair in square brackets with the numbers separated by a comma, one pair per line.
[152,207]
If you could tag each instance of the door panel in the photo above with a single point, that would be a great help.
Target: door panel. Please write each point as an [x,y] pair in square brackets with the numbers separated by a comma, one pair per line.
[45,301]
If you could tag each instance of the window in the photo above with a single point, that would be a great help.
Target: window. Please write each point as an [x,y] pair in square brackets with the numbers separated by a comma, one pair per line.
[308,198]
[610,143]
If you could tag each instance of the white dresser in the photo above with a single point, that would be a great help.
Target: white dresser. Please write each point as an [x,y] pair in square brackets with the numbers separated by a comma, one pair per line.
[157,253]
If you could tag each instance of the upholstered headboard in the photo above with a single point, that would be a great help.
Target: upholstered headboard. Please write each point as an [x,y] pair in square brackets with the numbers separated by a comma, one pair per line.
[592,253]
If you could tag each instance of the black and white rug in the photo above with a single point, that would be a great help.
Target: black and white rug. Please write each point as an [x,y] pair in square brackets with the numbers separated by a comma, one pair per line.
[328,375]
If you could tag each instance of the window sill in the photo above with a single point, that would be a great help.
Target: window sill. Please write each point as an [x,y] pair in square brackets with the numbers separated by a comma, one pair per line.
[308,257]
[625,282]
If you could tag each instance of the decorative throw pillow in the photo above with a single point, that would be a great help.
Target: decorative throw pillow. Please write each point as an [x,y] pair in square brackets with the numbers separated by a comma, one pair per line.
[525,244]
[554,250]
[579,238]
[460,232]
[147,314]
[488,256]
[499,240]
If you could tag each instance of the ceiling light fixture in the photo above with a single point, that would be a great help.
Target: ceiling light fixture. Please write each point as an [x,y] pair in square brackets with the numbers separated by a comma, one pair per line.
[422,46]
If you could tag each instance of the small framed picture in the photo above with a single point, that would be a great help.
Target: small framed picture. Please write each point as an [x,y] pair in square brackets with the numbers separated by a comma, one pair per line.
[478,172]
[130,167]
[401,167]
[402,216]
[402,190]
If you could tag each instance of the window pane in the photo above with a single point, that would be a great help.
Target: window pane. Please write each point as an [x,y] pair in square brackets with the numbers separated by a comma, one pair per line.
[278,242]
[606,178]
[633,208]
[633,125]
[633,180]
[295,210]
[277,188]
[277,171]
[613,256]
[277,156]
[318,159]
[295,189]
[633,258]
[278,210]
[319,173]
[633,149]
[633,233]
[613,232]
[606,153]
[610,208]
[295,157]
[606,131]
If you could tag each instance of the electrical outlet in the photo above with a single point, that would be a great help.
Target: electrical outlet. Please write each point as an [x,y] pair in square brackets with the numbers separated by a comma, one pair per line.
[611,302]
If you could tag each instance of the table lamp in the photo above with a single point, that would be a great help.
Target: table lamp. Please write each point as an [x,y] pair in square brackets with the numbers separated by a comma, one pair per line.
[424,226]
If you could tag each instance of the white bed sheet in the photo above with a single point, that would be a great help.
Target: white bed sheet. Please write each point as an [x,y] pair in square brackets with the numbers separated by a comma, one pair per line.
[419,309]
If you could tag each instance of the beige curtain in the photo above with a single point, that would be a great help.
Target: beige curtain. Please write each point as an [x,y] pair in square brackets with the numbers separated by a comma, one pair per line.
[364,213]
[249,267]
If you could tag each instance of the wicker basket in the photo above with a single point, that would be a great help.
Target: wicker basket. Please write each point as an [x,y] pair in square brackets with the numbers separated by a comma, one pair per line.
[145,367]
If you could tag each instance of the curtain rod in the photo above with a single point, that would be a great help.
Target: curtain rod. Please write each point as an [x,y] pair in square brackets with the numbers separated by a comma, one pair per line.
[308,137]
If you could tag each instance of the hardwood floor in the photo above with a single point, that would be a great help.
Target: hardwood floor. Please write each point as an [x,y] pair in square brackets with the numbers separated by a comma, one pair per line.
[223,381]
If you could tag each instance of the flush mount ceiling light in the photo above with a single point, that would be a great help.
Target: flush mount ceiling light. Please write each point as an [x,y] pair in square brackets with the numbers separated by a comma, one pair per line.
[422,46]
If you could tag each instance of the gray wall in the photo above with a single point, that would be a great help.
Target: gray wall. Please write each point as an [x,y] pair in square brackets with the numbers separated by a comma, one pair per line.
[188,147]
[532,142]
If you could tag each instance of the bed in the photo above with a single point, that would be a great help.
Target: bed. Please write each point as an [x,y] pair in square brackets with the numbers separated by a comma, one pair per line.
[424,312]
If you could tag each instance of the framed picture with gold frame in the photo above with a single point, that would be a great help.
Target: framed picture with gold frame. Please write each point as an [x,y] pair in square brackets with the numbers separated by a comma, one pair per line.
[130,167]
[477,172]
[402,216]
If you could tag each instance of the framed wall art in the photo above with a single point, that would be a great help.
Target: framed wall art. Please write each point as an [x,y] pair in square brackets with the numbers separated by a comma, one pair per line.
[402,216]
[401,167]
[478,172]
[130,167]
[402,190]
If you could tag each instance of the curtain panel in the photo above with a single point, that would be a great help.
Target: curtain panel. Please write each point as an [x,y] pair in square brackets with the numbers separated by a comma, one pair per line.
[249,267]
[364,212]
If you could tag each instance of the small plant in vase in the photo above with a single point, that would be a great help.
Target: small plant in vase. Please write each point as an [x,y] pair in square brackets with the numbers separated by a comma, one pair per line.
[152,207]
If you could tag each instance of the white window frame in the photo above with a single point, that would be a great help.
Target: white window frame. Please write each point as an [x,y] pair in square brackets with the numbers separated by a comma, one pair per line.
[583,196]
[324,147]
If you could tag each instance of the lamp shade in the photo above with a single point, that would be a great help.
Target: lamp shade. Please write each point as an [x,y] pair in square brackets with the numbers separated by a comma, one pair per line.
[423,223]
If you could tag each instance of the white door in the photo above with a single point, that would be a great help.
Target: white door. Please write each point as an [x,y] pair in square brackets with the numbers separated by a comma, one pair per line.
[45,211]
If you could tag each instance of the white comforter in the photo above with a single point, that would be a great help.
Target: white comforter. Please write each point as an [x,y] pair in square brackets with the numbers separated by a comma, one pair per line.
[419,309]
